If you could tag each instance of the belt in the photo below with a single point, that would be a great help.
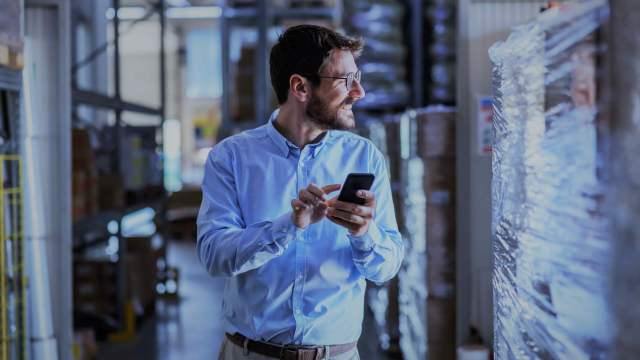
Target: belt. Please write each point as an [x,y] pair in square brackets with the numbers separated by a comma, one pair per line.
[288,352]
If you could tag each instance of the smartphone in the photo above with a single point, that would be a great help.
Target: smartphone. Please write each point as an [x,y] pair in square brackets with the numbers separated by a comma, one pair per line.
[353,183]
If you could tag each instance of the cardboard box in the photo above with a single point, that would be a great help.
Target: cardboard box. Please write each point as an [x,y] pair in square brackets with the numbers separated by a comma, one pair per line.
[441,322]
[95,286]
[82,153]
[142,270]
[79,195]
[110,191]
[11,42]
[441,270]
[93,191]
[436,134]
[439,178]
[441,225]
[398,204]
[392,128]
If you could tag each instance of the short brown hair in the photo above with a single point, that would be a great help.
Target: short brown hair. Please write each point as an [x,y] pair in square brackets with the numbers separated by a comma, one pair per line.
[303,50]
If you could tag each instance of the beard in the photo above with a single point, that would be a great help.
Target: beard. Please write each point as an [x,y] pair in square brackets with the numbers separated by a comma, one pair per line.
[319,112]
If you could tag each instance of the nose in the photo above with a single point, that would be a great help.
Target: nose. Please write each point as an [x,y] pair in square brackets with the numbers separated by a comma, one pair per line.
[357,91]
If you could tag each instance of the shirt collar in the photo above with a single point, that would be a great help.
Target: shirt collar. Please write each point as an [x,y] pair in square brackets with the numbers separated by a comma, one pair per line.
[286,147]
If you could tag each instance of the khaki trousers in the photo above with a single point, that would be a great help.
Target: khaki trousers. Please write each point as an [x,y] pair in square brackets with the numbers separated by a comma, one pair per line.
[231,351]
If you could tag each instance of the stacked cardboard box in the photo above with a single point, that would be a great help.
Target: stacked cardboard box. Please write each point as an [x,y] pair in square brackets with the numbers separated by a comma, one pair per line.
[182,210]
[111,191]
[142,270]
[436,146]
[384,56]
[140,164]
[244,100]
[11,54]
[95,286]
[440,57]
[85,176]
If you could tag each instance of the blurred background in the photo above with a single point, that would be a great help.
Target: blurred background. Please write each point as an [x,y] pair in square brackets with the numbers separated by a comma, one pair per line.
[510,128]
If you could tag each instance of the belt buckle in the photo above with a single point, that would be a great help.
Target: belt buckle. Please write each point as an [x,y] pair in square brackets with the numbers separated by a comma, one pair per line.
[295,350]
[287,347]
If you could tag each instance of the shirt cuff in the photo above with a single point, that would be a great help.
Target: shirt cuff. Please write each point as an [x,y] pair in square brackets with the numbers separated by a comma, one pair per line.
[362,246]
[284,230]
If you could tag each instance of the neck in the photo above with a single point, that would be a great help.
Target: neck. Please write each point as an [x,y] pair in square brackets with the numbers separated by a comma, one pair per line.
[294,125]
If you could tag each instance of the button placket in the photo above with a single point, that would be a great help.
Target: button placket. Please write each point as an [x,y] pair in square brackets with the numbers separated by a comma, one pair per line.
[297,282]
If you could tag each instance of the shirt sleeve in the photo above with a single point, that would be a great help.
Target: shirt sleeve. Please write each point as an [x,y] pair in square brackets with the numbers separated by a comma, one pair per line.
[225,245]
[378,254]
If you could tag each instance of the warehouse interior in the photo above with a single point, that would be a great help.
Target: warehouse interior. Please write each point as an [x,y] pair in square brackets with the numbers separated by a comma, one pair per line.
[510,130]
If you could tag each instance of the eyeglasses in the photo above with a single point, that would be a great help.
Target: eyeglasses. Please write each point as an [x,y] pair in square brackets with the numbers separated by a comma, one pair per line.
[349,77]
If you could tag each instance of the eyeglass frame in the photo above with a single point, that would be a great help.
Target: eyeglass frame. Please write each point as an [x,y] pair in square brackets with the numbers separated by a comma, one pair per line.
[356,76]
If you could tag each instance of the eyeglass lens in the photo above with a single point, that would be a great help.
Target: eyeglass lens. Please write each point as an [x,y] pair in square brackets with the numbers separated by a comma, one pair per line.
[351,76]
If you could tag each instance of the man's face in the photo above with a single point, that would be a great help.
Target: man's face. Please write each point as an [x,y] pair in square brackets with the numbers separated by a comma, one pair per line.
[331,101]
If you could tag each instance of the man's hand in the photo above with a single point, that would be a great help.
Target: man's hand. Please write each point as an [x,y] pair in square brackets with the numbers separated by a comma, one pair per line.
[356,218]
[311,206]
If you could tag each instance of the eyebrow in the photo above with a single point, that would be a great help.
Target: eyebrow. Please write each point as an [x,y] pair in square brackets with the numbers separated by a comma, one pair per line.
[345,74]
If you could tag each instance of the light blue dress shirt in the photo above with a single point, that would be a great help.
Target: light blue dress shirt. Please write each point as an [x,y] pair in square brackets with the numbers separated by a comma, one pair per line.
[287,285]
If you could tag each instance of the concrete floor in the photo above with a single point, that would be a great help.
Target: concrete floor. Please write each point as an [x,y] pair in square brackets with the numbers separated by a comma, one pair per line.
[191,327]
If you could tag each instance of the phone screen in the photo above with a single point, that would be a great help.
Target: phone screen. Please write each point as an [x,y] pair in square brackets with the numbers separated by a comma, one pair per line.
[355,182]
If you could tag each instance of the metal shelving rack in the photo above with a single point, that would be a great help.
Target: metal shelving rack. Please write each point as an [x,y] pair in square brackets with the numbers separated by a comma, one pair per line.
[262,17]
[92,230]
[13,284]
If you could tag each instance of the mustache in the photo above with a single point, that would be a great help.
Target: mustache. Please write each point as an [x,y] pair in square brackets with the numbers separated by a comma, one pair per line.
[348,101]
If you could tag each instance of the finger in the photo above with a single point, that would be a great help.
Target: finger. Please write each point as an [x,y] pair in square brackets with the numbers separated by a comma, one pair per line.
[298,205]
[351,218]
[308,197]
[363,211]
[312,188]
[331,188]
[349,226]
[332,201]
[368,196]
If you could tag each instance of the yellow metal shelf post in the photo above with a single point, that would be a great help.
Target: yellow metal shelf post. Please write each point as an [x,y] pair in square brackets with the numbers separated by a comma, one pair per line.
[12,278]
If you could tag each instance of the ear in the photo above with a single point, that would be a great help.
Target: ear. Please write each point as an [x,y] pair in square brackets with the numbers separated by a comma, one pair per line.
[299,88]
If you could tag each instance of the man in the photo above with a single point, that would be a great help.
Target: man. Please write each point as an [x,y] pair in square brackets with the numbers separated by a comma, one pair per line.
[296,259]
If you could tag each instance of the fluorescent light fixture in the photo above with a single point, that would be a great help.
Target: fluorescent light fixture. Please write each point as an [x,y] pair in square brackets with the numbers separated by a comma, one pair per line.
[188,12]
[178,3]
[127,13]
[195,12]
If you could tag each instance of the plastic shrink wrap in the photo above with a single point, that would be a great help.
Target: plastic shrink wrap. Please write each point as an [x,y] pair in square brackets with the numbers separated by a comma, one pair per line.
[624,203]
[382,299]
[412,280]
[551,239]
[415,312]
[383,60]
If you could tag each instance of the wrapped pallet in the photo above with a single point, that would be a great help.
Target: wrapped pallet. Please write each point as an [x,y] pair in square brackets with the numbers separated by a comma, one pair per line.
[415,312]
[625,187]
[383,60]
[412,276]
[436,147]
[552,245]
[382,299]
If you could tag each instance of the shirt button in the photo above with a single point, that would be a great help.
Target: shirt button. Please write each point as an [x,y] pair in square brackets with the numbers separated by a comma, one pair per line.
[298,311]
